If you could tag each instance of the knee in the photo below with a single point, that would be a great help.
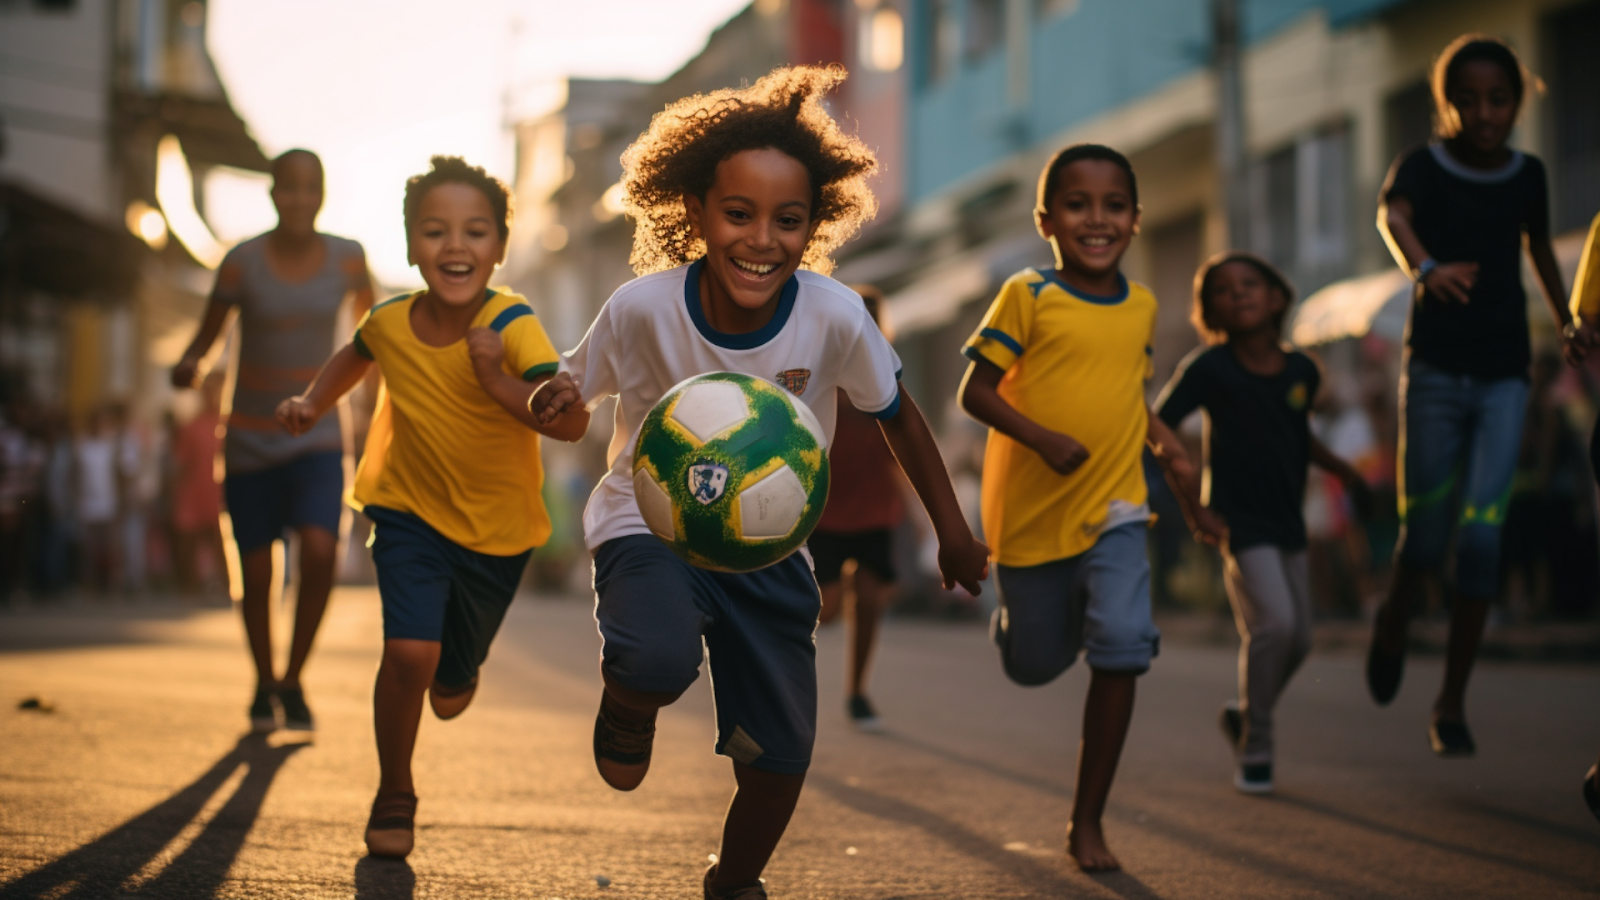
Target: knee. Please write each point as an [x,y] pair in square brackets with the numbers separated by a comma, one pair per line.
[659,669]
[1035,666]
[410,660]
[642,701]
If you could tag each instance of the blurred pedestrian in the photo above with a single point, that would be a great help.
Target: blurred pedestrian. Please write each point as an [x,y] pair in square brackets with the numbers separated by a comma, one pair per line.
[1257,396]
[139,454]
[1456,214]
[59,536]
[288,286]
[94,482]
[197,495]
[21,468]
[852,546]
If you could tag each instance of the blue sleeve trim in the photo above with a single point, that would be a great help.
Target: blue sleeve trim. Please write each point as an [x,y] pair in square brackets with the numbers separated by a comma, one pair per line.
[533,372]
[890,411]
[1010,343]
[508,315]
[976,355]
[361,346]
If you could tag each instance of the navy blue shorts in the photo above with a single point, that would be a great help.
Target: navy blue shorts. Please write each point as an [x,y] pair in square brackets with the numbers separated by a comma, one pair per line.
[758,629]
[434,589]
[266,504]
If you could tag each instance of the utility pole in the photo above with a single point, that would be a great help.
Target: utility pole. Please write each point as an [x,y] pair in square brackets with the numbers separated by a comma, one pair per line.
[1230,119]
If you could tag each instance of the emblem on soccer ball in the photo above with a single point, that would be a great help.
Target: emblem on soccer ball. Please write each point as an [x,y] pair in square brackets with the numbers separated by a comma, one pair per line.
[707,480]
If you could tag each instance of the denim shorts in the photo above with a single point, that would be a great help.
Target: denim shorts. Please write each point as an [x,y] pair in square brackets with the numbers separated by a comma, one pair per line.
[1459,441]
[757,630]
[1097,602]
[266,504]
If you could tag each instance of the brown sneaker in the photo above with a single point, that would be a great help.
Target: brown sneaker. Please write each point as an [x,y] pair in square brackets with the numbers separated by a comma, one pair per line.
[622,750]
[449,702]
[757,891]
[391,827]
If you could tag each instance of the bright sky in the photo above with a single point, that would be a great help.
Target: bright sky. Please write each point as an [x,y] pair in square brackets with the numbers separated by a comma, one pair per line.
[377,86]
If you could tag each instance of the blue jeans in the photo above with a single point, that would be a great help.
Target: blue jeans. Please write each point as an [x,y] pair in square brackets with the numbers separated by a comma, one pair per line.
[1459,440]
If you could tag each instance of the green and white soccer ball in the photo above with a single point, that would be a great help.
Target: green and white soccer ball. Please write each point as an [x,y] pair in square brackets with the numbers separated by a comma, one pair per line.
[730,471]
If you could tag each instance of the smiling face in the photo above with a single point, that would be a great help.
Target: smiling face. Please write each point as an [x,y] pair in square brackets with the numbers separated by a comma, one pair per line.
[1240,300]
[297,193]
[455,243]
[1090,220]
[756,222]
[1485,102]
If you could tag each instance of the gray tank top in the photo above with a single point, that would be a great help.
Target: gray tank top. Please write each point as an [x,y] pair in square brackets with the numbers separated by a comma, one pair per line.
[285,335]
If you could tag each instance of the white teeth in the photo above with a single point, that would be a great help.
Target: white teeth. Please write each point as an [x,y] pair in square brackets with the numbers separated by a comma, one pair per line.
[456,268]
[753,267]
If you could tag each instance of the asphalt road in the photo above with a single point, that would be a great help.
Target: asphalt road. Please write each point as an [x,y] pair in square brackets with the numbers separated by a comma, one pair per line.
[138,782]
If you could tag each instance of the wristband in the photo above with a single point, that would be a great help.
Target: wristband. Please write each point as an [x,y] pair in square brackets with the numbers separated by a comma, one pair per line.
[1423,269]
[1570,330]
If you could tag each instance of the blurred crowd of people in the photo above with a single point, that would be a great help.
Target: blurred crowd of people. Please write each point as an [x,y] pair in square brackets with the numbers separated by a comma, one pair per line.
[110,504]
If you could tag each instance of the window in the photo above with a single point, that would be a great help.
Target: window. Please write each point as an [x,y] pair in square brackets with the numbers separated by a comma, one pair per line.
[986,27]
[1300,208]
[882,39]
[1408,118]
[942,41]
[1574,133]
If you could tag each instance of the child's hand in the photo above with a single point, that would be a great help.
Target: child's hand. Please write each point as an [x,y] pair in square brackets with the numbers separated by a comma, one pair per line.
[297,415]
[1577,340]
[1209,528]
[1452,281]
[183,374]
[1061,453]
[555,397]
[963,562]
[487,351]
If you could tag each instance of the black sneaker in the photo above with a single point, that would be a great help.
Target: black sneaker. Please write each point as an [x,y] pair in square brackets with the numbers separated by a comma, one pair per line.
[263,712]
[296,715]
[862,715]
[1590,795]
[1383,670]
[1254,778]
[1232,722]
[1451,739]
[628,745]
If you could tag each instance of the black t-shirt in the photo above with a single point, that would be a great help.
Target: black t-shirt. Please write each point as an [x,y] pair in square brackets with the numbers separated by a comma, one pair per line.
[1257,440]
[1466,215]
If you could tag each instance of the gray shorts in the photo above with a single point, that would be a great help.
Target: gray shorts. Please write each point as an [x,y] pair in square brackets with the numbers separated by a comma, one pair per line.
[1097,602]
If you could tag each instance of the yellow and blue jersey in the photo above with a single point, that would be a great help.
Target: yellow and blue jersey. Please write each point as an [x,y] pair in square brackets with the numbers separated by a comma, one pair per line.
[439,446]
[1075,363]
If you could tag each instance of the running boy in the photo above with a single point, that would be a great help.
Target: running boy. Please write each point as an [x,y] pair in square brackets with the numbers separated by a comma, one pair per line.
[1257,396]
[732,193]
[451,473]
[1059,366]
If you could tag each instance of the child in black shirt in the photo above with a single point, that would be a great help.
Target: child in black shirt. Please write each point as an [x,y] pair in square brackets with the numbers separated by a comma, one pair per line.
[1455,214]
[1257,397]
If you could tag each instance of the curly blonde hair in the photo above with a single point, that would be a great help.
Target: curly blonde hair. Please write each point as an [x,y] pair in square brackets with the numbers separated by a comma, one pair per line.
[679,154]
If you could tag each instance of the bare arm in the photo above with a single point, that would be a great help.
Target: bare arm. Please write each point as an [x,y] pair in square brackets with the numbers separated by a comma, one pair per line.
[1543,257]
[1448,280]
[358,282]
[980,397]
[515,395]
[1207,526]
[963,559]
[211,325]
[343,371]
[1354,485]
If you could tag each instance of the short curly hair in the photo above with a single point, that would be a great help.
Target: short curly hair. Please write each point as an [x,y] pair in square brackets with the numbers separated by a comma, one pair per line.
[455,170]
[678,157]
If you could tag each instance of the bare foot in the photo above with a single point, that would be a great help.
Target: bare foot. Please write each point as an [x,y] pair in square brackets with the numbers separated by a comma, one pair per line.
[1086,844]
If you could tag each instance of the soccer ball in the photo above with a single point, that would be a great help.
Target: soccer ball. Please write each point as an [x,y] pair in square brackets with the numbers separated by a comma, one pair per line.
[730,471]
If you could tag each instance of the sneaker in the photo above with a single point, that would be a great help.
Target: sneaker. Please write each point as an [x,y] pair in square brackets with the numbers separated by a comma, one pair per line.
[449,702]
[296,714]
[263,712]
[626,746]
[391,828]
[1254,778]
[1232,722]
[862,715]
[757,891]
[1591,796]
[1451,739]
[1383,670]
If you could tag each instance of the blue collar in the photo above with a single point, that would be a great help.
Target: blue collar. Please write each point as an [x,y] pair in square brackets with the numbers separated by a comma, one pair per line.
[750,339]
[1055,278]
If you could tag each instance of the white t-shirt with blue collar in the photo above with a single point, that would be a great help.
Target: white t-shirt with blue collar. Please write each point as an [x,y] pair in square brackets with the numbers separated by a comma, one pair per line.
[652,334]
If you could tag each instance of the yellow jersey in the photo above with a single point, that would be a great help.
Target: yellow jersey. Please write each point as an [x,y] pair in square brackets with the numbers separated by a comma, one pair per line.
[1586,287]
[1075,363]
[439,446]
